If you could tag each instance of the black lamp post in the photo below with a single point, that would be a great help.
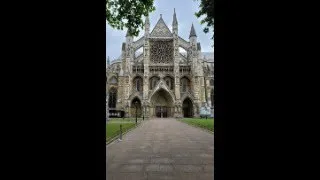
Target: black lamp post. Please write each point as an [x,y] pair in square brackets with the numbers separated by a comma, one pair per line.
[143,113]
[136,103]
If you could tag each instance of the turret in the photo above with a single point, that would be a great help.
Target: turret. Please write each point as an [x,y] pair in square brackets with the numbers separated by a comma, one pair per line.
[193,35]
[129,53]
[193,41]
[129,42]
[147,26]
[194,50]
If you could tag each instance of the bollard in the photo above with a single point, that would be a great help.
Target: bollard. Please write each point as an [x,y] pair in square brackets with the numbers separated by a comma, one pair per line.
[120,138]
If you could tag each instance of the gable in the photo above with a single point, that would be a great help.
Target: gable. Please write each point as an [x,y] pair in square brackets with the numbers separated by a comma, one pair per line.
[161,30]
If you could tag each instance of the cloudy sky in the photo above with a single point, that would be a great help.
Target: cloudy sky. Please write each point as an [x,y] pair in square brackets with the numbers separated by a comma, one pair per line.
[185,10]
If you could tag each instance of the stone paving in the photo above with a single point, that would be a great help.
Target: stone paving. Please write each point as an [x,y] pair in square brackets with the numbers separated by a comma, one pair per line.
[162,149]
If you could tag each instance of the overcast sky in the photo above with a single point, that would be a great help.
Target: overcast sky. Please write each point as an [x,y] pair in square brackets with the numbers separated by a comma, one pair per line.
[185,10]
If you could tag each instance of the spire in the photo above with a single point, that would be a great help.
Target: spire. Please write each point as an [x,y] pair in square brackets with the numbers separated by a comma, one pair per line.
[192,32]
[108,61]
[175,22]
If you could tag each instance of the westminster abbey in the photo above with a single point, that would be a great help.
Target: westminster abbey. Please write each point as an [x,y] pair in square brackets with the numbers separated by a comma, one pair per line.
[161,81]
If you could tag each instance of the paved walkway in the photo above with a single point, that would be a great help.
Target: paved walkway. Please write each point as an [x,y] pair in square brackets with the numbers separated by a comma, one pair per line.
[162,149]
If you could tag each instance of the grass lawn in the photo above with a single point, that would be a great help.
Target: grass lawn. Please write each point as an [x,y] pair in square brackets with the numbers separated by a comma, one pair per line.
[113,126]
[113,120]
[203,123]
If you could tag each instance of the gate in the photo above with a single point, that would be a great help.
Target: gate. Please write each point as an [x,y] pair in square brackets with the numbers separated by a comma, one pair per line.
[162,111]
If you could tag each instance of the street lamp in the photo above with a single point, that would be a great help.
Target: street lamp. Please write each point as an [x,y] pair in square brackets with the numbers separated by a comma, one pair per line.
[107,100]
[144,108]
[136,103]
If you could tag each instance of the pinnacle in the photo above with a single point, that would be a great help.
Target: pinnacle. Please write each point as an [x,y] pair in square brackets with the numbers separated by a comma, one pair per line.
[192,32]
[175,22]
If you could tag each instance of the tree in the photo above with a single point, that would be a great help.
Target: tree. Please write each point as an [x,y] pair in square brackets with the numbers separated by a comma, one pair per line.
[206,8]
[128,13]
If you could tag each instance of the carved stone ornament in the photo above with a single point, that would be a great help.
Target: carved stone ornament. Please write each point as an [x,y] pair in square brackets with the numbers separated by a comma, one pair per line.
[161,52]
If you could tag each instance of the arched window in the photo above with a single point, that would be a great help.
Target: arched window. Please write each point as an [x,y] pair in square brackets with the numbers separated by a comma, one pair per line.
[185,84]
[137,84]
[211,98]
[211,82]
[153,82]
[112,98]
[169,82]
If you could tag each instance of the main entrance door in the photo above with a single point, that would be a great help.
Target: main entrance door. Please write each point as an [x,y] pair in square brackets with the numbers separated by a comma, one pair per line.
[162,111]
[161,104]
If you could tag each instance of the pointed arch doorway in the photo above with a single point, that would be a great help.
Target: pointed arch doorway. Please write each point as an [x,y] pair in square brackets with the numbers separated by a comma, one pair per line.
[187,107]
[162,104]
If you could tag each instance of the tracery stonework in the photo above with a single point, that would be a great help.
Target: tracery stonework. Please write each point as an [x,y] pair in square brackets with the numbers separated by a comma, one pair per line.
[161,52]
[167,86]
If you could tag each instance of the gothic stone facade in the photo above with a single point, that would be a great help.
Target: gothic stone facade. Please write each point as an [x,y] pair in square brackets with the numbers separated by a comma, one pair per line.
[161,81]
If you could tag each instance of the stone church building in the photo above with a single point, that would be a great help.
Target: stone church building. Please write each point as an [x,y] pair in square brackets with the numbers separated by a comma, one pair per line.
[171,77]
